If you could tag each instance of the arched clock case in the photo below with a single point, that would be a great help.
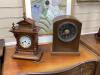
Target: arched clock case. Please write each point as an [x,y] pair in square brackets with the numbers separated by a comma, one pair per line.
[66,35]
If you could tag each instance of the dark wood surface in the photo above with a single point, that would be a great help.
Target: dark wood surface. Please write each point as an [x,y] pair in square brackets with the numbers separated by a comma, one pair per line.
[2,45]
[48,64]
[2,50]
[91,42]
[66,47]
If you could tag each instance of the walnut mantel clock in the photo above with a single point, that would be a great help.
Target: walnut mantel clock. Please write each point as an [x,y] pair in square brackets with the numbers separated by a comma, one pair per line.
[26,34]
[66,35]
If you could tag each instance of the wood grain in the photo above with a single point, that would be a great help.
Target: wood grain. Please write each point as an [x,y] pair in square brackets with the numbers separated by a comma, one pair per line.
[91,42]
[49,63]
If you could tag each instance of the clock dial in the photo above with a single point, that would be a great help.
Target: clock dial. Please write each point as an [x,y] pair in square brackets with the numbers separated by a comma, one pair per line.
[25,41]
[67,32]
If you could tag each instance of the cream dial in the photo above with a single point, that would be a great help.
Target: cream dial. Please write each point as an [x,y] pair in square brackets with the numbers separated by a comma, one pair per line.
[25,41]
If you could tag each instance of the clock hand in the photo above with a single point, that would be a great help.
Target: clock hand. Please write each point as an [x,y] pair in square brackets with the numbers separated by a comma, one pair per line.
[22,42]
[25,41]
[28,43]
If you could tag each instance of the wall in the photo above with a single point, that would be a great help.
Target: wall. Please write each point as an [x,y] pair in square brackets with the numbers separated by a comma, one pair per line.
[89,14]
[10,11]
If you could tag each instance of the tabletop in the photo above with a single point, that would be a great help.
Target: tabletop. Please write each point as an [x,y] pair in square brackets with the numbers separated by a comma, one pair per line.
[91,42]
[49,63]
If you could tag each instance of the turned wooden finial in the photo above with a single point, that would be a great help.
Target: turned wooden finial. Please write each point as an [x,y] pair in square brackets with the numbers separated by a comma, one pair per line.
[13,25]
[24,16]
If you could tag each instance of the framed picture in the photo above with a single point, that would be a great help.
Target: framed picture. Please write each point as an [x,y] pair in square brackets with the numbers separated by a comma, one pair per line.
[87,0]
[44,11]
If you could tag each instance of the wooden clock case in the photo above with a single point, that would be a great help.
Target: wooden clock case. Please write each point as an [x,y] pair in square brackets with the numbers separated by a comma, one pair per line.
[60,47]
[27,27]
[23,29]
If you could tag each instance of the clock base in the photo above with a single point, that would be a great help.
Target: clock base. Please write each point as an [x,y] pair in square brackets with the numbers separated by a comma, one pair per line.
[65,53]
[29,55]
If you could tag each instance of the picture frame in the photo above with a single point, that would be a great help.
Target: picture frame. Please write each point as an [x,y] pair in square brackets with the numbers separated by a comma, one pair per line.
[88,0]
[40,12]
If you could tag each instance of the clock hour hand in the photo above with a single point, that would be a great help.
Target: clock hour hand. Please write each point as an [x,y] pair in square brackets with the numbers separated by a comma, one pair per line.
[22,42]
[25,41]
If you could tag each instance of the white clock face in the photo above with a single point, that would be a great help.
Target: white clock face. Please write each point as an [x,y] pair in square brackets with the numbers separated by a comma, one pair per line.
[25,41]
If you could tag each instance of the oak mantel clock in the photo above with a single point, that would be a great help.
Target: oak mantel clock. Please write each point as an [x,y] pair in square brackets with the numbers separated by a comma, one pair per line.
[66,35]
[26,34]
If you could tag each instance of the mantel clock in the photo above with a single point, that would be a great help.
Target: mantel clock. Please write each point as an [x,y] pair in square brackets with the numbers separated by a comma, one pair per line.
[26,34]
[66,35]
